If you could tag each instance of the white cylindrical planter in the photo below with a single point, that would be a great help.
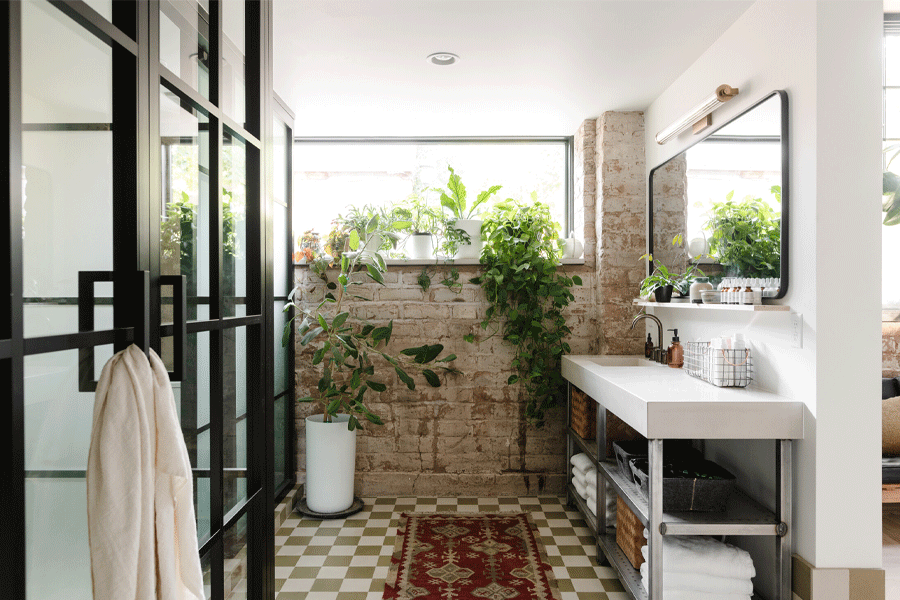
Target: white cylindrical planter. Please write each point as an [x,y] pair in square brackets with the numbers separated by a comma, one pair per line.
[473,228]
[330,464]
[420,246]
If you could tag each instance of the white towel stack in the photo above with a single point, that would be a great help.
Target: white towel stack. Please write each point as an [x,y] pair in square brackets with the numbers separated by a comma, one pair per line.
[701,568]
[584,479]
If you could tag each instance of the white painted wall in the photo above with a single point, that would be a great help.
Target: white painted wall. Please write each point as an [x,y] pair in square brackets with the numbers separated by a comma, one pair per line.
[827,57]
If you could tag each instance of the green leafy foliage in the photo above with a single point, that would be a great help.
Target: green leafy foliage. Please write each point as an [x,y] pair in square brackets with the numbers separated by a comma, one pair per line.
[454,198]
[745,235]
[527,295]
[662,276]
[890,189]
[350,352]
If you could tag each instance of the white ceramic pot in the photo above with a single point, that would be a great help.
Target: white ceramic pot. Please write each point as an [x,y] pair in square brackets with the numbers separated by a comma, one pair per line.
[420,246]
[330,464]
[572,247]
[473,228]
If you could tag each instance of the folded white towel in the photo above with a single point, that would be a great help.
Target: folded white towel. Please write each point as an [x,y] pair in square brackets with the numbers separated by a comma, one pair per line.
[700,554]
[580,476]
[591,476]
[582,462]
[698,582]
[579,487]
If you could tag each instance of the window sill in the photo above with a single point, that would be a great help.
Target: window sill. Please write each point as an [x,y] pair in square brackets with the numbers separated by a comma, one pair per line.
[459,262]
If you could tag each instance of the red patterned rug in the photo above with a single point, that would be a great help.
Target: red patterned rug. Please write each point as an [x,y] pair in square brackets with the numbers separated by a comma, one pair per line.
[459,556]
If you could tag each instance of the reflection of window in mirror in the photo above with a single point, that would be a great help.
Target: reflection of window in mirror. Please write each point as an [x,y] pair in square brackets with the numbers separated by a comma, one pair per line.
[723,197]
[890,239]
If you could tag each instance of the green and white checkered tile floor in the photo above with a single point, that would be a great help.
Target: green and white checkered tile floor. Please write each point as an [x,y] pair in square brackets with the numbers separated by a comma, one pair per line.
[348,559]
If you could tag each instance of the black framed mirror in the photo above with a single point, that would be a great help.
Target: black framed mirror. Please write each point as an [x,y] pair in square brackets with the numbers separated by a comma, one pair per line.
[723,201]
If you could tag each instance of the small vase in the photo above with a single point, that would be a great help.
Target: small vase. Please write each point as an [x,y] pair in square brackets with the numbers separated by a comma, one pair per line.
[663,294]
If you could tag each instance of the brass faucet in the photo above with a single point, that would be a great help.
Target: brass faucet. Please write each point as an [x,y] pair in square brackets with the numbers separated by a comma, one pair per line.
[658,354]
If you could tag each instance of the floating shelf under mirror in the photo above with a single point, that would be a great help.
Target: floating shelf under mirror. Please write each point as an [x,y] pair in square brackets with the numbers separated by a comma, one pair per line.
[732,307]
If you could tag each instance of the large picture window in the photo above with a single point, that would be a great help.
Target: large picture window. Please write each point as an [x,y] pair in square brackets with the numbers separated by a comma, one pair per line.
[337,180]
[890,236]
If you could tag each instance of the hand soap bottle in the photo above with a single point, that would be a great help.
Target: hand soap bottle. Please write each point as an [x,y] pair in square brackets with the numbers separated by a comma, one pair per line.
[648,347]
[676,352]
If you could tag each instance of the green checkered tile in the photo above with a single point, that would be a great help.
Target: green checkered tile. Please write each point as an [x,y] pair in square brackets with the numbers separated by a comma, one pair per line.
[348,559]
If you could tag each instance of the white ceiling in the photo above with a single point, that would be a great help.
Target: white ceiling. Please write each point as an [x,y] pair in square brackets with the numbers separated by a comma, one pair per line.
[358,68]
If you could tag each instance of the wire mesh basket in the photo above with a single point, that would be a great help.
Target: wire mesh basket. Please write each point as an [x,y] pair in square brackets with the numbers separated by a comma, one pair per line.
[722,368]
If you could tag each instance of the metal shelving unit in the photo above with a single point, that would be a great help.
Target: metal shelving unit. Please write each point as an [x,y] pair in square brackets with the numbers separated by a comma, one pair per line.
[743,515]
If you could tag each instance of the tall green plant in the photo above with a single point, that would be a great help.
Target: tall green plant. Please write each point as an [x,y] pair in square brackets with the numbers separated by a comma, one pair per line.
[527,295]
[350,350]
[746,236]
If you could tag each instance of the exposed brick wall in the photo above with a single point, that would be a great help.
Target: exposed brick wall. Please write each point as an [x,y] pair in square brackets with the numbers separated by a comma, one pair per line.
[890,349]
[621,224]
[468,437]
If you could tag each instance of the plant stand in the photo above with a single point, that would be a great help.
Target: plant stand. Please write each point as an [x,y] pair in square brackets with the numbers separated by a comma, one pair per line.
[301,507]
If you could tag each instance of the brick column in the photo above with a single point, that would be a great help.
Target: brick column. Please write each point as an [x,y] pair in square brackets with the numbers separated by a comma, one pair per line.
[621,228]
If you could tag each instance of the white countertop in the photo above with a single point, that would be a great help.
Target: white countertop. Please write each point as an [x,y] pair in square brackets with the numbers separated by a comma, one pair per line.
[661,402]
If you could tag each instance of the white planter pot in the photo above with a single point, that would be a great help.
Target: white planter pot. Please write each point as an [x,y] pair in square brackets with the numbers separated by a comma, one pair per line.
[330,464]
[473,228]
[420,246]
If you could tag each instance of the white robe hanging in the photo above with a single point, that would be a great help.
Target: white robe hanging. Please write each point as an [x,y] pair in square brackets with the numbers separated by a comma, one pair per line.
[141,527]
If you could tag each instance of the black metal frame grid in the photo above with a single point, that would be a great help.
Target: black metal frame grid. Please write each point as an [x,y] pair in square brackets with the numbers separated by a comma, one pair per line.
[785,183]
[137,75]
[568,155]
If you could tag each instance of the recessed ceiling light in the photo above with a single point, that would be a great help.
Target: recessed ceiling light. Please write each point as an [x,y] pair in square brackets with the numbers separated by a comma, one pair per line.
[442,59]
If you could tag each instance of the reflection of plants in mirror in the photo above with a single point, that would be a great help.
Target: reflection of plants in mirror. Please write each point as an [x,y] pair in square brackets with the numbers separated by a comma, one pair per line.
[527,296]
[348,347]
[661,276]
[745,236]
[177,229]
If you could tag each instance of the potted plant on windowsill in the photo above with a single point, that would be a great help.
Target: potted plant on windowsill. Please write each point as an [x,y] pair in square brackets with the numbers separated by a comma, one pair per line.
[464,217]
[420,221]
[351,356]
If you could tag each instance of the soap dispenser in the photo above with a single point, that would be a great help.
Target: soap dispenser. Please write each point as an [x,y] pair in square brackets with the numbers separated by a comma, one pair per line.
[648,347]
[676,352]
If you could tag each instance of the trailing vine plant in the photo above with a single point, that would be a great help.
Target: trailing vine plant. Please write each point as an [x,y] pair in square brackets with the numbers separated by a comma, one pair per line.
[349,349]
[527,294]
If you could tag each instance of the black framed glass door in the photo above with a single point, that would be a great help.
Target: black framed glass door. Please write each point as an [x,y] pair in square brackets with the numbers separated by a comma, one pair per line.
[135,188]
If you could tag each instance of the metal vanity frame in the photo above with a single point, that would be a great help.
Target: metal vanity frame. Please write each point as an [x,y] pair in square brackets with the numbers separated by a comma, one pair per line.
[744,515]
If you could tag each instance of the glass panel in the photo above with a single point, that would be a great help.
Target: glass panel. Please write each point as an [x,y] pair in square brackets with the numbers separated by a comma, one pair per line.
[233,53]
[892,60]
[206,567]
[184,41]
[58,422]
[282,417]
[192,396]
[284,372]
[280,141]
[892,113]
[235,571]
[234,223]
[332,179]
[184,238]
[66,171]
[234,435]
[281,250]
[104,7]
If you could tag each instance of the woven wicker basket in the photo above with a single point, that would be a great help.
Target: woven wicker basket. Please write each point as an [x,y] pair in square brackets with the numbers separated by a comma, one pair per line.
[584,422]
[584,414]
[629,534]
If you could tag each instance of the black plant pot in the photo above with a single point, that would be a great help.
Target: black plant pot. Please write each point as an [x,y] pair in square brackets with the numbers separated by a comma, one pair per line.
[663,294]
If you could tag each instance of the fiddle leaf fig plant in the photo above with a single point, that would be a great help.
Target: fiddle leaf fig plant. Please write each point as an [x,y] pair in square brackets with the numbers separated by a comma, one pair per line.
[350,351]
[527,294]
